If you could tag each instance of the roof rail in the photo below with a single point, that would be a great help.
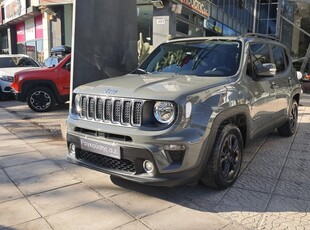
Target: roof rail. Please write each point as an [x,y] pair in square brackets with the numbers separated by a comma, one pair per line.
[174,38]
[257,35]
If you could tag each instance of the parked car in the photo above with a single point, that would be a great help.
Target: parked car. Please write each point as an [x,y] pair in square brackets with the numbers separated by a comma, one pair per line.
[9,65]
[187,112]
[57,54]
[43,88]
[305,81]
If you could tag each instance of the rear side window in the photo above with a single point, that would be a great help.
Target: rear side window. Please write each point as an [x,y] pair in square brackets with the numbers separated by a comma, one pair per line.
[259,54]
[278,57]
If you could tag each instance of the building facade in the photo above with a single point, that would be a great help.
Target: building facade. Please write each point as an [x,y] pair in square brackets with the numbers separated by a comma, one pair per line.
[33,27]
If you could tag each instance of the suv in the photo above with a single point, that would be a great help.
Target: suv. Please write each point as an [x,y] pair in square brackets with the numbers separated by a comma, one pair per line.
[43,88]
[9,65]
[187,112]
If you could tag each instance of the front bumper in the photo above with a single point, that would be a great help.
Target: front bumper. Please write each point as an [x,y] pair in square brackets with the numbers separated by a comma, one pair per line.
[167,171]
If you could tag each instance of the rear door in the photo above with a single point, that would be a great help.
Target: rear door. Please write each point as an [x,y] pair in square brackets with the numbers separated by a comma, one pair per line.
[283,81]
[263,99]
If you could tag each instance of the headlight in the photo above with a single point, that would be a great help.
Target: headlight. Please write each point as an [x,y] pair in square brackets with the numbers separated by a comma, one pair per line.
[77,103]
[7,78]
[164,112]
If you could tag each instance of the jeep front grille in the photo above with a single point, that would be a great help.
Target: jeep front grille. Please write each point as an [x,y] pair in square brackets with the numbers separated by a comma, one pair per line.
[112,110]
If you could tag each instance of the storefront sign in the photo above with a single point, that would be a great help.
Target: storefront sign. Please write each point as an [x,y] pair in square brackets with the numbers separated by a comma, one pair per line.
[20,32]
[14,8]
[197,5]
[160,21]
[38,26]
[214,25]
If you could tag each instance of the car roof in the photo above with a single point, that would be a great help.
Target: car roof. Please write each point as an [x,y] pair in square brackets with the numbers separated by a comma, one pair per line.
[13,55]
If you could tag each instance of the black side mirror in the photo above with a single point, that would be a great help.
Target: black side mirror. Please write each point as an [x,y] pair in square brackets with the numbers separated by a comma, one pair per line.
[266,70]
[68,66]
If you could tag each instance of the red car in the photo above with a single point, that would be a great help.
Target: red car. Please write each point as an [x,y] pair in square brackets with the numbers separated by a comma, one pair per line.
[43,88]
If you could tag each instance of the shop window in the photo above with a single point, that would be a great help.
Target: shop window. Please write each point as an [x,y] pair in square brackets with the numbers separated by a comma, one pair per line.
[182,27]
[262,26]
[263,11]
[31,49]
[21,49]
[273,10]
[272,24]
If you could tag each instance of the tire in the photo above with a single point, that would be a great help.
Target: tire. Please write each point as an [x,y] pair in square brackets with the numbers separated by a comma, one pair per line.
[41,99]
[290,126]
[225,161]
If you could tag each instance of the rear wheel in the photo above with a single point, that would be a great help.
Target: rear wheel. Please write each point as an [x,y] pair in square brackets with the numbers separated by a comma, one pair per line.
[225,161]
[41,99]
[290,126]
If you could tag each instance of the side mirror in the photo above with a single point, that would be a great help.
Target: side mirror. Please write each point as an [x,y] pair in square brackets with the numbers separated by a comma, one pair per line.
[299,75]
[266,70]
[68,66]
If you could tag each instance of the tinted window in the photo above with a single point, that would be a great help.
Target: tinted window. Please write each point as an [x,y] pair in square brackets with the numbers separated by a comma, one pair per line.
[259,54]
[201,58]
[11,62]
[278,57]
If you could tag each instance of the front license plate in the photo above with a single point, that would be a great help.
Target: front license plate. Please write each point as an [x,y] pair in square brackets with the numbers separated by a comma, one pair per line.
[110,150]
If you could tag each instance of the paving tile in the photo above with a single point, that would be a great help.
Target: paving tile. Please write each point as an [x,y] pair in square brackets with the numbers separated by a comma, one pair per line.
[139,205]
[294,175]
[17,173]
[101,214]
[248,219]
[63,199]
[8,189]
[46,182]
[105,187]
[245,200]
[80,172]
[301,165]
[135,225]
[265,170]
[178,218]
[23,158]
[199,195]
[11,150]
[293,189]
[11,142]
[38,224]
[255,183]
[300,154]
[16,212]
[286,213]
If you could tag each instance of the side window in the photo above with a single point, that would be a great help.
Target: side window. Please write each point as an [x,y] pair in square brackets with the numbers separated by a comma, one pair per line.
[278,56]
[259,54]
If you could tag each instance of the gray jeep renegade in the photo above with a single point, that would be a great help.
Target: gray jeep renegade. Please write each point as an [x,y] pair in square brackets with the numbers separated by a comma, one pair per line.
[187,112]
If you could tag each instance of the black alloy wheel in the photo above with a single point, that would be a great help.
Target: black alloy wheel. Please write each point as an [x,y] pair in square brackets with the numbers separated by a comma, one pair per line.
[290,126]
[225,161]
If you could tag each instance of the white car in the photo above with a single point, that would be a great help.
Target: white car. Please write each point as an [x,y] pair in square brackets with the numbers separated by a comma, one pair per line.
[9,65]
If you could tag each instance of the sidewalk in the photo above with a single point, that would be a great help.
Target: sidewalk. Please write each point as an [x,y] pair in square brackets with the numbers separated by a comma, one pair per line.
[41,190]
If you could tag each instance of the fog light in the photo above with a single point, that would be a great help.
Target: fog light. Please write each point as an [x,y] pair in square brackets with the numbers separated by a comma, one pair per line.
[148,166]
[72,149]
[174,147]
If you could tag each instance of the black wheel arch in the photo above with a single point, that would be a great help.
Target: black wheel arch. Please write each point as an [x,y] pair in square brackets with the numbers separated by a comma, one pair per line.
[42,83]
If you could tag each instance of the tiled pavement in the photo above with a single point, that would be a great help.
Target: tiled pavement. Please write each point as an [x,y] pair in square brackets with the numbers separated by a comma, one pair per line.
[39,189]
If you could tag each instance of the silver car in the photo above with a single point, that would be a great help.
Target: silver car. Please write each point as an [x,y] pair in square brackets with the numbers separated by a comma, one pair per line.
[187,112]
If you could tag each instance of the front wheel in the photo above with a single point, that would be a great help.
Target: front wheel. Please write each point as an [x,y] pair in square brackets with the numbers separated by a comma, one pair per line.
[225,161]
[41,99]
[290,126]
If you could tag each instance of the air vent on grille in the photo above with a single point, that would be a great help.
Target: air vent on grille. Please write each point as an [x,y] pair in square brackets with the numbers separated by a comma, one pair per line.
[112,110]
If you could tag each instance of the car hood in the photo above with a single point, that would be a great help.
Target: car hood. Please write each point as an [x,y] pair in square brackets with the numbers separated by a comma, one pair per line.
[34,70]
[157,86]
[12,71]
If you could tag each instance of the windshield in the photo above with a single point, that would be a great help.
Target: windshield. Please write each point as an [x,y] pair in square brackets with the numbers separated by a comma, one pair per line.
[11,62]
[201,58]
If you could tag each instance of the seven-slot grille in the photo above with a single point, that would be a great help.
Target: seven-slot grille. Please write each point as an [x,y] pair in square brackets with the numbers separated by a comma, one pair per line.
[112,110]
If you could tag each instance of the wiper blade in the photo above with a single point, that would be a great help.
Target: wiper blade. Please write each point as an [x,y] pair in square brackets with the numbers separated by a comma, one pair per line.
[142,70]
